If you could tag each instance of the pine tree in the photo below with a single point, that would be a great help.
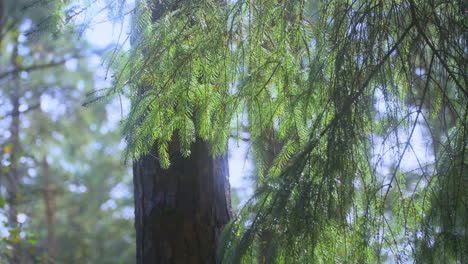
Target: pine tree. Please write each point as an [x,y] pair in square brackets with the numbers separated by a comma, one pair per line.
[316,74]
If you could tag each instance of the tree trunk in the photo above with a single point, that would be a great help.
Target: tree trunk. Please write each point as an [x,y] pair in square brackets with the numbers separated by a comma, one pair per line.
[49,197]
[268,148]
[14,175]
[181,211]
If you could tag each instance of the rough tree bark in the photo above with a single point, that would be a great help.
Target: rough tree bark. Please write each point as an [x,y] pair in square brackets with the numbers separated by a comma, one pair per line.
[181,211]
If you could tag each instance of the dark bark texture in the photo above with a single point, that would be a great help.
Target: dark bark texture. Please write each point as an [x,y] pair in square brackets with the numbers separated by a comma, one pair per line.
[180,211]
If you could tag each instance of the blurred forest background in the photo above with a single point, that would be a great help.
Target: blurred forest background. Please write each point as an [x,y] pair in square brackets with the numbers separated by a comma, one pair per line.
[356,155]
[65,193]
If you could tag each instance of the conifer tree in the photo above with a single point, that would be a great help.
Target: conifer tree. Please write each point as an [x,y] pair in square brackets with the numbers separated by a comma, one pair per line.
[318,75]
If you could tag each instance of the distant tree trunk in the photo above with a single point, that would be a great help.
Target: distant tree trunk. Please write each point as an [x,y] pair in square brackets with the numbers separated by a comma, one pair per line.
[49,197]
[268,148]
[13,171]
[181,211]
[2,7]
[14,175]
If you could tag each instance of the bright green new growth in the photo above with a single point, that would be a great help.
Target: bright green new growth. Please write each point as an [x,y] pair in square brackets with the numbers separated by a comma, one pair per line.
[314,75]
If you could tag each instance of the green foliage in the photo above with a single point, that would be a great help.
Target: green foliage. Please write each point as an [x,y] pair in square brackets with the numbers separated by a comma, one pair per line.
[315,79]
[177,80]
